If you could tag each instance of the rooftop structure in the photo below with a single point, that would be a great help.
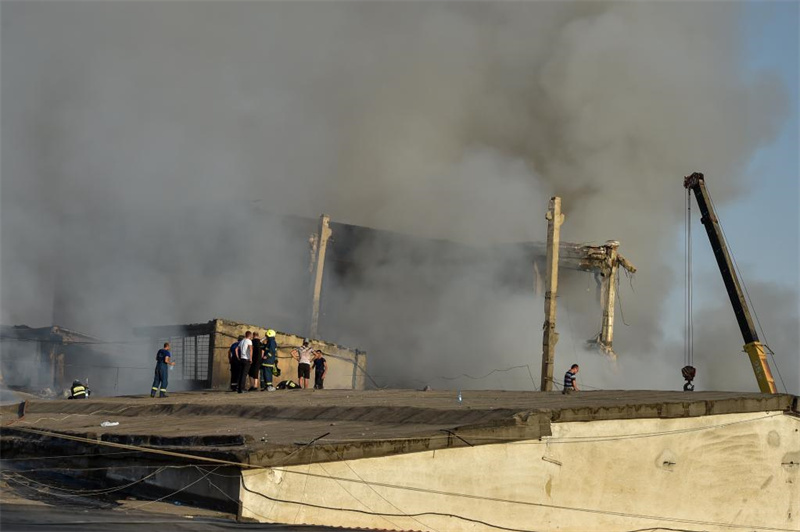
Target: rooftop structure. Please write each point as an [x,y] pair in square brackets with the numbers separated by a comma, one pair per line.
[402,460]
[201,352]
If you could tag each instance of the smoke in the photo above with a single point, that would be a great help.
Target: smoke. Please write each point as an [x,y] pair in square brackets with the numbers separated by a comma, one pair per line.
[143,142]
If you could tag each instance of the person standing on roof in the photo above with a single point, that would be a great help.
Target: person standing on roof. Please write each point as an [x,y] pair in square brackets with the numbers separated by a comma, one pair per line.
[245,359]
[163,362]
[233,360]
[303,355]
[269,367]
[570,380]
[255,366]
[320,369]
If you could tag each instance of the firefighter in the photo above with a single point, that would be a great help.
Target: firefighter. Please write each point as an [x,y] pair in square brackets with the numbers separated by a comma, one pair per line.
[78,391]
[163,362]
[270,367]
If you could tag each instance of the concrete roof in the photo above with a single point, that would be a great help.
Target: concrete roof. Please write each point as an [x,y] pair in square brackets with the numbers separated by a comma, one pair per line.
[23,332]
[269,428]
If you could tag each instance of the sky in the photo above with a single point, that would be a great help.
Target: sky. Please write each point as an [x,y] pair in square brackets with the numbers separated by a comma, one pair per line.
[772,45]
[762,227]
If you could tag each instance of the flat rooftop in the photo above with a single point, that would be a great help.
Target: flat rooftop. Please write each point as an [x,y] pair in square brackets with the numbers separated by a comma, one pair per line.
[270,428]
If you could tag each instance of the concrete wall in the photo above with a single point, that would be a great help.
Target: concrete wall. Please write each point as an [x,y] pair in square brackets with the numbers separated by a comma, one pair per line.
[703,473]
[343,363]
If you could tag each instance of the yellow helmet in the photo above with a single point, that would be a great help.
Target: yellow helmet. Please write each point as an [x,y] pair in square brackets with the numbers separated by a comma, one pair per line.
[270,333]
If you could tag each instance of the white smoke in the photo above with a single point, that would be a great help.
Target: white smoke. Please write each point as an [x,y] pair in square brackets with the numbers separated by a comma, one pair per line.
[141,139]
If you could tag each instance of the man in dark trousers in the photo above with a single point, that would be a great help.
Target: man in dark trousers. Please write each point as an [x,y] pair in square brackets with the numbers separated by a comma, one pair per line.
[233,360]
[245,357]
[320,369]
[163,362]
[570,380]
[255,366]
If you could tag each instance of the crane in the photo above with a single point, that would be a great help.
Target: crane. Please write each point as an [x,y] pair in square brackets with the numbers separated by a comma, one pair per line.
[753,347]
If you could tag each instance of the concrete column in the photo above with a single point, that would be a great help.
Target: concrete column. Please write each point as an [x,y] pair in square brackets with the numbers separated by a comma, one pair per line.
[609,294]
[61,380]
[550,337]
[318,269]
[52,357]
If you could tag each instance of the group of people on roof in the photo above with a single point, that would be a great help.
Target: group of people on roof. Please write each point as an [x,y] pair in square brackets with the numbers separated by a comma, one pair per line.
[254,364]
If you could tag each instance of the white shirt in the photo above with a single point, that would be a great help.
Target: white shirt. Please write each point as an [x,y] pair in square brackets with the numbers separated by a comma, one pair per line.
[305,354]
[245,348]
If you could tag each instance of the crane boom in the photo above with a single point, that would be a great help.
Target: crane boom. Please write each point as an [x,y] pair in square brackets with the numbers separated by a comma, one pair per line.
[753,347]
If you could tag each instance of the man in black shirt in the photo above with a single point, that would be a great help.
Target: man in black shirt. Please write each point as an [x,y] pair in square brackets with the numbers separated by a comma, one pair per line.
[233,360]
[255,367]
[320,369]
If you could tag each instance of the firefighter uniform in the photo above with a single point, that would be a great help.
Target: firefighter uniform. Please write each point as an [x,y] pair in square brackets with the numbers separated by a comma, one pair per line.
[78,391]
[161,378]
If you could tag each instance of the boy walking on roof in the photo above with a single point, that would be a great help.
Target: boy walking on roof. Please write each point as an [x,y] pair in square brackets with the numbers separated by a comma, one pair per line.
[570,381]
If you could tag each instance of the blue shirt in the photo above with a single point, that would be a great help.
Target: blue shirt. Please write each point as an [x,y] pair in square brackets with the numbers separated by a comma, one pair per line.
[319,365]
[162,355]
[569,377]
[232,350]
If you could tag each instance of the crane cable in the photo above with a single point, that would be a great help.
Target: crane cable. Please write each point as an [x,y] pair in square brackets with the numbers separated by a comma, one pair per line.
[688,350]
[688,371]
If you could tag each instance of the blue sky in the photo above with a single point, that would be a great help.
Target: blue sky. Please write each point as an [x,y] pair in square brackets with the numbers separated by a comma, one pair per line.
[763,226]
[771,208]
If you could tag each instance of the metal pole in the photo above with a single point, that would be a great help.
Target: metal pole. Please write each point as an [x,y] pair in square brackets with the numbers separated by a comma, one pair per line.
[550,337]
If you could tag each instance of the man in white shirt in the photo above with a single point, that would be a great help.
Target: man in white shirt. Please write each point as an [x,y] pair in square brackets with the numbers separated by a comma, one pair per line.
[303,355]
[245,359]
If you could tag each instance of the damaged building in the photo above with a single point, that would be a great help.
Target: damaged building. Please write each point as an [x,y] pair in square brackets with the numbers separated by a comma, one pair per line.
[396,296]
[47,359]
[342,256]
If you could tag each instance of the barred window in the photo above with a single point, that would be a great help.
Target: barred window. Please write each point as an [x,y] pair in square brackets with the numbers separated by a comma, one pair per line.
[191,355]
